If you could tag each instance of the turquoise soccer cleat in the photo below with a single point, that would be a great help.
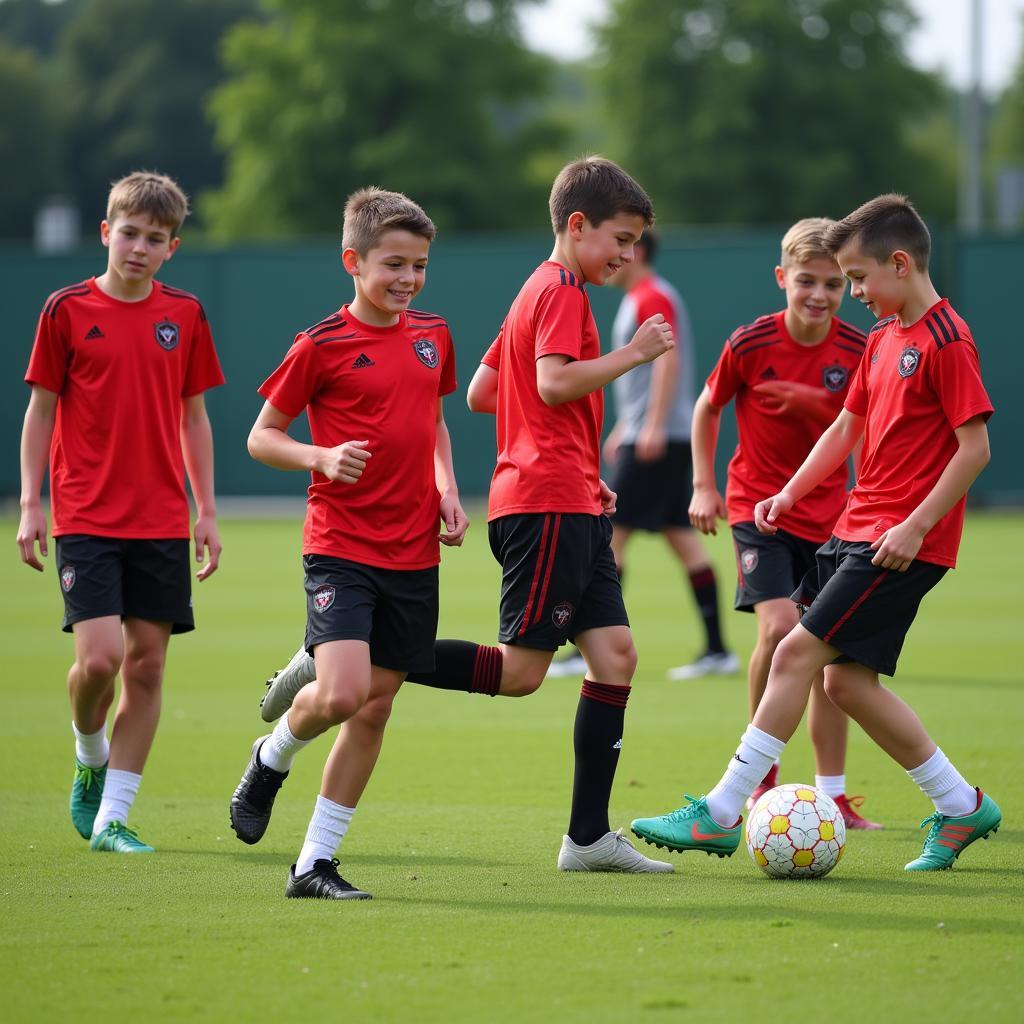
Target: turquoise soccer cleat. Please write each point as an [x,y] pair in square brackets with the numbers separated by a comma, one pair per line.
[690,828]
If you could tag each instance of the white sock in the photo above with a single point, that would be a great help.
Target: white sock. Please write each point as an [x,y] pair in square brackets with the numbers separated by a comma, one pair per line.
[91,748]
[280,747]
[327,828]
[945,786]
[831,785]
[756,754]
[119,790]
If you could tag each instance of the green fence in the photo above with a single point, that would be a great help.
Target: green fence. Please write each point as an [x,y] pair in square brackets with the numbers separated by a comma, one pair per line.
[257,298]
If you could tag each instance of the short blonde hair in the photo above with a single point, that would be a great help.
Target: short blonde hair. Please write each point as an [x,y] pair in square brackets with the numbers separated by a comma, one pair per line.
[147,192]
[372,211]
[805,240]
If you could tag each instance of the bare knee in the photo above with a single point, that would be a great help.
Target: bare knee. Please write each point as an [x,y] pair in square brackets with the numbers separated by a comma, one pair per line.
[789,655]
[374,714]
[622,661]
[337,704]
[143,669]
[838,689]
[521,682]
[772,629]
[99,666]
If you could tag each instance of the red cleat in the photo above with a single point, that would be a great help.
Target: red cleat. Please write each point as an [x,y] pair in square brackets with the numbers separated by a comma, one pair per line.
[853,820]
[770,781]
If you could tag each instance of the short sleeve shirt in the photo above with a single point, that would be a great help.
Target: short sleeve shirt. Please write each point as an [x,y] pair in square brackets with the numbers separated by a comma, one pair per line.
[915,386]
[548,456]
[357,382]
[120,371]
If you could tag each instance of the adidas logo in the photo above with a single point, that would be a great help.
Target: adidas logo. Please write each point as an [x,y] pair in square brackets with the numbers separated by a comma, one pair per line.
[617,745]
[94,333]
[362,360]
[769,374]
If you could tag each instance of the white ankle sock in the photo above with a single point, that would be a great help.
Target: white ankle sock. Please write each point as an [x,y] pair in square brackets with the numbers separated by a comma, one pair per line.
[327,828]
[831,785]
[757,752]
[119,790]
[280,747]
[91,748]
[945,786]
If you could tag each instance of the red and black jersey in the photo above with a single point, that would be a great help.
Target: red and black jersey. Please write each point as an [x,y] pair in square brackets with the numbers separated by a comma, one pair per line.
[548,456]
[120,370]
[771,447]
[915,386]
[358,382]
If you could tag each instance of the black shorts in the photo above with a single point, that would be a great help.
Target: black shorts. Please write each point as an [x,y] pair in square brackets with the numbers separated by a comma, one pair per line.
[393,610]
[769,566]
[137,579]
[860,609]
[653,495]
[558,577]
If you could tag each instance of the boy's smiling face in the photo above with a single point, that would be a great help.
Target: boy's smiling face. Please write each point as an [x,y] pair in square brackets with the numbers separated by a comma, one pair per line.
[388,277]
[814,291]
[602,250]
[879,285]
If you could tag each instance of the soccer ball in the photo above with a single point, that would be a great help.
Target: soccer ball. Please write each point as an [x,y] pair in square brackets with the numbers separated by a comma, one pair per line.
[795,831]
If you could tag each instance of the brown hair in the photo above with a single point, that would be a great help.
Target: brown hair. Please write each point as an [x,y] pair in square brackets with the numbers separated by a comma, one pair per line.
[599,189]
[372,211]
[880,227]
[148,192]
[805,240]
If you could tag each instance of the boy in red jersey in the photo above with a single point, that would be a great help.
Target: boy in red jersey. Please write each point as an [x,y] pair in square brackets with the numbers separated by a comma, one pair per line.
[789,373]
[371,379]
[919,404]
[118,370]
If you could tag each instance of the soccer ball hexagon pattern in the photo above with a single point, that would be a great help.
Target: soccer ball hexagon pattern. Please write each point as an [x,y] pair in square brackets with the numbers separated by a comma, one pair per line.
[795,831]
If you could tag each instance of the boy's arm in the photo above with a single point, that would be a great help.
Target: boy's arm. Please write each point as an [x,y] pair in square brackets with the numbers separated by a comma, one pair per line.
[482,394]
[791,398]
[898,546]
[36,435]
[652,440]
[707,505]
[452,513]
[832,448]
[197,449]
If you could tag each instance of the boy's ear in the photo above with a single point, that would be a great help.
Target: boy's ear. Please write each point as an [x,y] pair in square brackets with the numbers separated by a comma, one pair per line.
[575,224]
[902,262]
[780,277]
[173,247]
[350,261]
[105,233]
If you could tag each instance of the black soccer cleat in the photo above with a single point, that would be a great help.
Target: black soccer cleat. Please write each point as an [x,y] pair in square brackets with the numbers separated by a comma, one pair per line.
[253,800]
[322,882]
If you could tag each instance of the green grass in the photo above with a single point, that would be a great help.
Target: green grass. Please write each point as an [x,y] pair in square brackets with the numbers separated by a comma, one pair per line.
[458,832]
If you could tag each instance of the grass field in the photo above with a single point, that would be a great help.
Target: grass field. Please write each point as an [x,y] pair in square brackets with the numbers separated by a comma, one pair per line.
[458,832]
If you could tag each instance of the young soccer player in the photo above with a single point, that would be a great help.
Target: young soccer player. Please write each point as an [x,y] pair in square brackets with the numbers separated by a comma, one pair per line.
[371,378]
[118,370]
[919,404]
[789,373]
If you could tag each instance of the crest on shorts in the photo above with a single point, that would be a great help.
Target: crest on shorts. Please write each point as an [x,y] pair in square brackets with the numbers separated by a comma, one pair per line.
[323,597]
[426,353]
[834,377]
[167,334]
[748,560]
[909,360]
[561,614]
[67,578]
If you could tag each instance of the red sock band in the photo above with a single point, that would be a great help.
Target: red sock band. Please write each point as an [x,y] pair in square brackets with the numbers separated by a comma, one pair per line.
[486,671]
[614,695]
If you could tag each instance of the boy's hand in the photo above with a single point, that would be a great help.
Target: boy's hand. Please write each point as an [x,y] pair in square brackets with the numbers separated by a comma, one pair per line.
[207,538]
[707,506]
[897,547]
[611,446]
[786,397]
[651,443]
[346,463]
[767,511]
[608,499]
[455,521]
[32,528]
[653,337]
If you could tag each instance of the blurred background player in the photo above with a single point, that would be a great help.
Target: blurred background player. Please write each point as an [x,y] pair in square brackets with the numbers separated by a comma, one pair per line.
[118,370]
[789,373]
[649,452]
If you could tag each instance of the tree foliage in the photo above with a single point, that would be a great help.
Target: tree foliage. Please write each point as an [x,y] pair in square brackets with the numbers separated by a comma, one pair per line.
[1008,122]
[770,110]
[437,98]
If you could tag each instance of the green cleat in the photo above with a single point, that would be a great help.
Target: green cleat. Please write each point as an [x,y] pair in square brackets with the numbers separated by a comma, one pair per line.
[118,838]
[86,792]
[689,828]
[949,837]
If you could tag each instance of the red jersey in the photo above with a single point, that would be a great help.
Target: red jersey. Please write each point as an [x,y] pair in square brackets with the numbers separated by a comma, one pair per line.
[382,384]
[915,386]
[548,456]
[772,447]
[120,370]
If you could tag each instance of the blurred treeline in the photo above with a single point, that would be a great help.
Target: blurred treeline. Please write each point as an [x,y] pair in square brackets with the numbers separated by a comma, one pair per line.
[270,111]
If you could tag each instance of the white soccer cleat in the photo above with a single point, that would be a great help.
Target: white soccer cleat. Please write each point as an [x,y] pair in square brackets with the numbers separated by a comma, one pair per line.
[725,663]
[612,852]
[567,668]
[285,684]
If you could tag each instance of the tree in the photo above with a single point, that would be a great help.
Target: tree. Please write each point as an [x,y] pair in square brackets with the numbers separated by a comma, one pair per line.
[437,98]
[1007,136]
[770,110]
[35,24]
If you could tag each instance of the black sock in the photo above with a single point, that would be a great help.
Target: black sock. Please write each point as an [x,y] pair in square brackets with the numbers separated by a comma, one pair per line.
[596,740]
[705,591]
[461,665]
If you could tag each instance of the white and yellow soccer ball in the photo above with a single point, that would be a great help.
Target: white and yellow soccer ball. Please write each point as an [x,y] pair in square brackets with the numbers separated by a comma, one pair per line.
[795,831]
